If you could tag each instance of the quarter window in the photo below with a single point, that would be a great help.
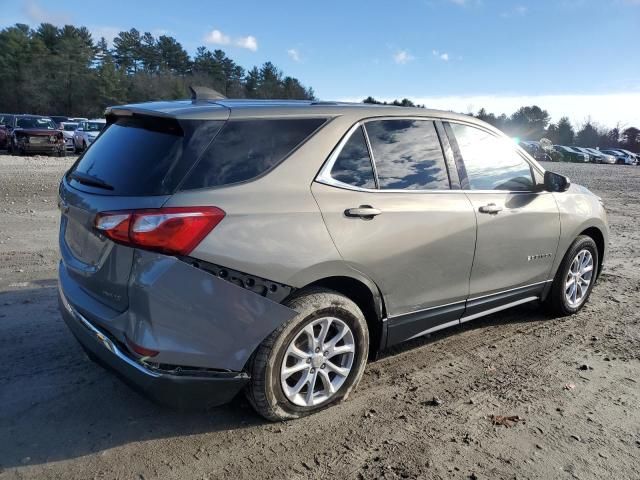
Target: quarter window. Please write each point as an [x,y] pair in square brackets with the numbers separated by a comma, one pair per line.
[407,154]
[353,165]
[491,162]
[245,149]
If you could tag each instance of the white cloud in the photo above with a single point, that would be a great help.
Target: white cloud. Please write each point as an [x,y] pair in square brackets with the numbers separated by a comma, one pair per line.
[402,57]
[36,14]
[607,109]
[294,54]
[249,42]
[444,56]
[216,37]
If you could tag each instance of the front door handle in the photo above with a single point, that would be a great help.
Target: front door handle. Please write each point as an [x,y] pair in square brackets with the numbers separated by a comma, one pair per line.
[366,212]
[490,208]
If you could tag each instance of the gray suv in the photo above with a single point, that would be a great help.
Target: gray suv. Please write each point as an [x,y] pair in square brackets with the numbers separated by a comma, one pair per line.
[212,246]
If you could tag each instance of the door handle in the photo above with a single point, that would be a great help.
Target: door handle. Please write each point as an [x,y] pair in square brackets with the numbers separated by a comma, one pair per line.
[490,208]
[366,212]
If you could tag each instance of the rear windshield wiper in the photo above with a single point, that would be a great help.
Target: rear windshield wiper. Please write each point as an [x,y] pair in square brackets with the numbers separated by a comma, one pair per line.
[90,180]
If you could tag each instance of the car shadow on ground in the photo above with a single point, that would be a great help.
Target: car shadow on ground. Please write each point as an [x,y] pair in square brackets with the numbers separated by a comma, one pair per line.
[58,405]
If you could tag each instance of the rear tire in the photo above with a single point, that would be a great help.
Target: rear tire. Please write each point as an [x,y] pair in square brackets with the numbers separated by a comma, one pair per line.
[562,300]
[316,366]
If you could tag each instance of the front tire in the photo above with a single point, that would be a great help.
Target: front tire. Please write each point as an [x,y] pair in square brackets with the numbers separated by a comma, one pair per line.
[575,278]
[311,362]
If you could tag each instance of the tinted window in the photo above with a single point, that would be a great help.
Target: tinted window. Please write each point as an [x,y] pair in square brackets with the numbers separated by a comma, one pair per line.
[245,149]
[491,162]
[34,122]
[408,155]
[146,156]
[353,165]
[94,126]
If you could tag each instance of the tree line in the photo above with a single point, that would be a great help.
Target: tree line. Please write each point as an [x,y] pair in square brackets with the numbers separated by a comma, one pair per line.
[534,123]
[63,71]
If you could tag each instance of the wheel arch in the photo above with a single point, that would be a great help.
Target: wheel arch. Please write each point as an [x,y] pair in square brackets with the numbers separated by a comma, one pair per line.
[367,296]
[596,234]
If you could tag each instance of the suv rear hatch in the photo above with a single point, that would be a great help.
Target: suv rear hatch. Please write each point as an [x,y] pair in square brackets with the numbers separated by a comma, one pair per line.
[136,163]
[112,199]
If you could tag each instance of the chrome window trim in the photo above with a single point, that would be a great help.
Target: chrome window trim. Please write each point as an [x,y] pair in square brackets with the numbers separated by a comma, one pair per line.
[324,176]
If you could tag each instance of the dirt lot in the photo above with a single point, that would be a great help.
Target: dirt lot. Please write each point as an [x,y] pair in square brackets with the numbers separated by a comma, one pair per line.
[61,416]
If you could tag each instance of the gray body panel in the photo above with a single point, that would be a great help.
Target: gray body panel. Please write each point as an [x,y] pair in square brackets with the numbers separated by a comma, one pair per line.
[193,318]
[527,226]
[419,250]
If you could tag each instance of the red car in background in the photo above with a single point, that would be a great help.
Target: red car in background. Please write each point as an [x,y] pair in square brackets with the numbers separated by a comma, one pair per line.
[34,134]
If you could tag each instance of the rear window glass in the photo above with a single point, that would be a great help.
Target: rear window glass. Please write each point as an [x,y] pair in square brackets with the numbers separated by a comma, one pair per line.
[145,155]
[245,149]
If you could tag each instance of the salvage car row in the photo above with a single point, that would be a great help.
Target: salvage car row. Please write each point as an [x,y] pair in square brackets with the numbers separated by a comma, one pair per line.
[575,154]
[27,134]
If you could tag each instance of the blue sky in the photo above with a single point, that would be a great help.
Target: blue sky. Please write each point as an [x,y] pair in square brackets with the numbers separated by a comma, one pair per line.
[573,57]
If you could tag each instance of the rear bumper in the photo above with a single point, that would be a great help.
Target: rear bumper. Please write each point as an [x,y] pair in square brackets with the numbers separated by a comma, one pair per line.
[194,389]
[43,148]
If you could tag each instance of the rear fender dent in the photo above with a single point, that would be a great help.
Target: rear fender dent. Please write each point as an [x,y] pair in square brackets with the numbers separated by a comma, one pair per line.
[194,318]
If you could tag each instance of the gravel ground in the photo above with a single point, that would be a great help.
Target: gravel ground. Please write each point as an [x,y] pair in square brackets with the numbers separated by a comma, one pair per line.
[422,411]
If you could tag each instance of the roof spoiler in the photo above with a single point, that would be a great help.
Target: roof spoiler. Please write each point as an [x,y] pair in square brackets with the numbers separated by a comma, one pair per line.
[201,94]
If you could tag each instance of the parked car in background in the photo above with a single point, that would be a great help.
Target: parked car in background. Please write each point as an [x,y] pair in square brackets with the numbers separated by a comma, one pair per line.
[593,157]
[622,158]
[6,125]
[535,150]
[209,248]
[635,156]
[68,130]
[58,120]
[86,133]
[600,156]
[571,155]
[36,134]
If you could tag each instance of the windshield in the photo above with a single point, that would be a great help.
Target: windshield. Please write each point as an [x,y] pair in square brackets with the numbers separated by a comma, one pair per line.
[94,126]
[70,127]
[32,122]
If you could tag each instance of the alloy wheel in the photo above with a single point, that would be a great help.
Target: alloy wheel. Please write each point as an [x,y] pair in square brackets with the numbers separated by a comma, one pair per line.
[317,362]
[579,278]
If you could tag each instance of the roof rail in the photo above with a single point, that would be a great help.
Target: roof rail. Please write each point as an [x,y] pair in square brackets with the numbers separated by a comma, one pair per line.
[204,93]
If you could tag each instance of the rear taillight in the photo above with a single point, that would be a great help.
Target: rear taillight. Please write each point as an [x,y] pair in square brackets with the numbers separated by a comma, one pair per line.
[173,230]
[140,350]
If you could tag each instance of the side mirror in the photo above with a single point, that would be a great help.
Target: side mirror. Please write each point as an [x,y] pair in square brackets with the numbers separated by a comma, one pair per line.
[554,182]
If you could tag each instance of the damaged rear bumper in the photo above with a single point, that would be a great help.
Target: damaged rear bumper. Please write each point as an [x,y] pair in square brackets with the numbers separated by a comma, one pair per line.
[194,389]
[204,328]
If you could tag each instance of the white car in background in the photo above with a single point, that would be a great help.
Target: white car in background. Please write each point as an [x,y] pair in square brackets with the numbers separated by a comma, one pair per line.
[622,157]
[86,133]
[68,130]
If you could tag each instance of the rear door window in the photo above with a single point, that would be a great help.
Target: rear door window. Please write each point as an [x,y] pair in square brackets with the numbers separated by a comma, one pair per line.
[407,154]
[353,165]
[245,149]
[144,155]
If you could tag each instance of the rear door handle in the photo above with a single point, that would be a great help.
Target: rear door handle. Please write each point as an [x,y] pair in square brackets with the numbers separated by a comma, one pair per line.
[363,211]
[490,208]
